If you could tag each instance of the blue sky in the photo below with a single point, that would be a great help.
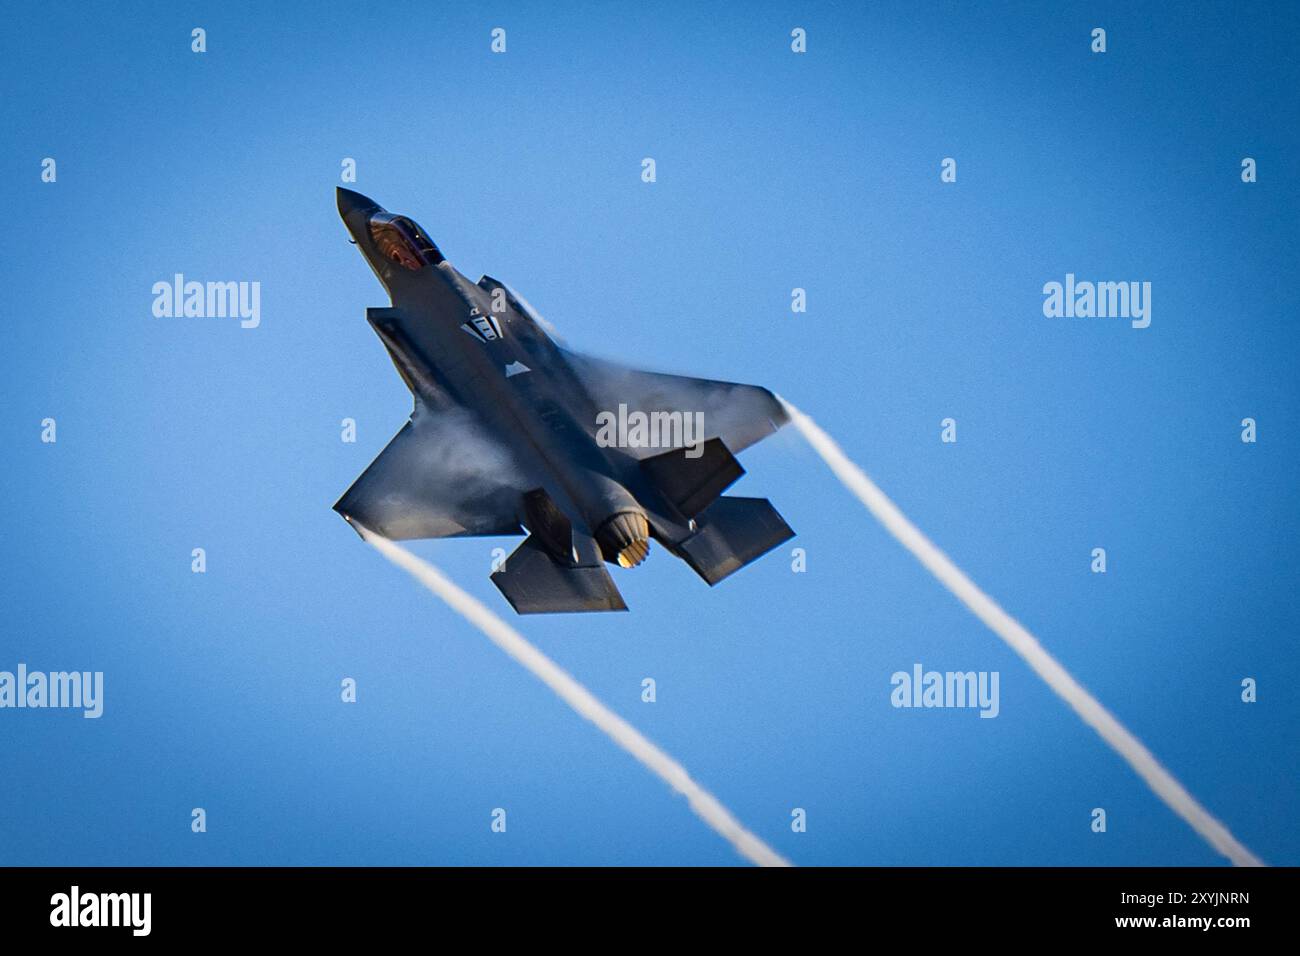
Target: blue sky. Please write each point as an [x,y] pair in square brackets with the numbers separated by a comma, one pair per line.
[775,171]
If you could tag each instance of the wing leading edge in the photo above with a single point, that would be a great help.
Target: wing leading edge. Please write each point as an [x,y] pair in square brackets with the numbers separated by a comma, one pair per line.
[739,415]
[440,477]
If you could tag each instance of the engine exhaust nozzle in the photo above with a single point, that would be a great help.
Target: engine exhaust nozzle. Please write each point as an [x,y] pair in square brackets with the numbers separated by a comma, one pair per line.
[624,539]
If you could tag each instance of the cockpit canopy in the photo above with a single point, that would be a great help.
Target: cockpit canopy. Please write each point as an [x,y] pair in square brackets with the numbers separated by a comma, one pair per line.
[400,240]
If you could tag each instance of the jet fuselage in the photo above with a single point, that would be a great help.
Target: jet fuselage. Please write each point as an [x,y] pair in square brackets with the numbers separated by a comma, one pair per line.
[506,435]
[478,345]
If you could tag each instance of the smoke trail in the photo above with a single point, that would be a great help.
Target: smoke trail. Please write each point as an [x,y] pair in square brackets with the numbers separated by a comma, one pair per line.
[705,805]
[1161,782]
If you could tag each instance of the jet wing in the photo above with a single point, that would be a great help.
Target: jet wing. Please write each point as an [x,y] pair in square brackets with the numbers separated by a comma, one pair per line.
[441,476]
[739,415]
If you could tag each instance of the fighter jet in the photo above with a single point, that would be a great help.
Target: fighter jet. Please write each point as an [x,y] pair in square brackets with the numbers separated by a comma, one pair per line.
[510,431]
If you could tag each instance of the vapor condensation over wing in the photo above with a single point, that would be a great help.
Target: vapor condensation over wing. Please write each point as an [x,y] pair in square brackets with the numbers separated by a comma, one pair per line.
[581,700]
[1161,782]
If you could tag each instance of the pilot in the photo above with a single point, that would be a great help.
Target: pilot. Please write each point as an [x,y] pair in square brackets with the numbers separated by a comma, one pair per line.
[394,246]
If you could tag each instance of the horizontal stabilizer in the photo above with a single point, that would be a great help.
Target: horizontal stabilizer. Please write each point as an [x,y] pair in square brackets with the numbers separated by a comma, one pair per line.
[534,582]
[732,533]
[692,484]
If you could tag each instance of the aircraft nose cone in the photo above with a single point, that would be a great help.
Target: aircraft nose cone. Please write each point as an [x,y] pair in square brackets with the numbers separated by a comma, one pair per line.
[350,201]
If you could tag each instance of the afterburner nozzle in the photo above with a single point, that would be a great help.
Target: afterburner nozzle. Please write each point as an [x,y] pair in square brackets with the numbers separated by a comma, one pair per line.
[625,539]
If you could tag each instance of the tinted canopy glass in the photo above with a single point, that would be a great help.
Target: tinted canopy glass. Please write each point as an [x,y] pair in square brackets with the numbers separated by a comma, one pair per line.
[400,240]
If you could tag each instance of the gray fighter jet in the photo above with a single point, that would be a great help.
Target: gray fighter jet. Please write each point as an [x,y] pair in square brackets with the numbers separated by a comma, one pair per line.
[510,431]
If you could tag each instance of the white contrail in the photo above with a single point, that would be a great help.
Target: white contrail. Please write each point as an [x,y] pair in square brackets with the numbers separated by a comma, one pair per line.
[1023,643]
[580,699]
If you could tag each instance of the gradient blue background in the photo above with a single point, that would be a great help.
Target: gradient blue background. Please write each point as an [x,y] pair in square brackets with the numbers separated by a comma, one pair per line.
[774,171]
